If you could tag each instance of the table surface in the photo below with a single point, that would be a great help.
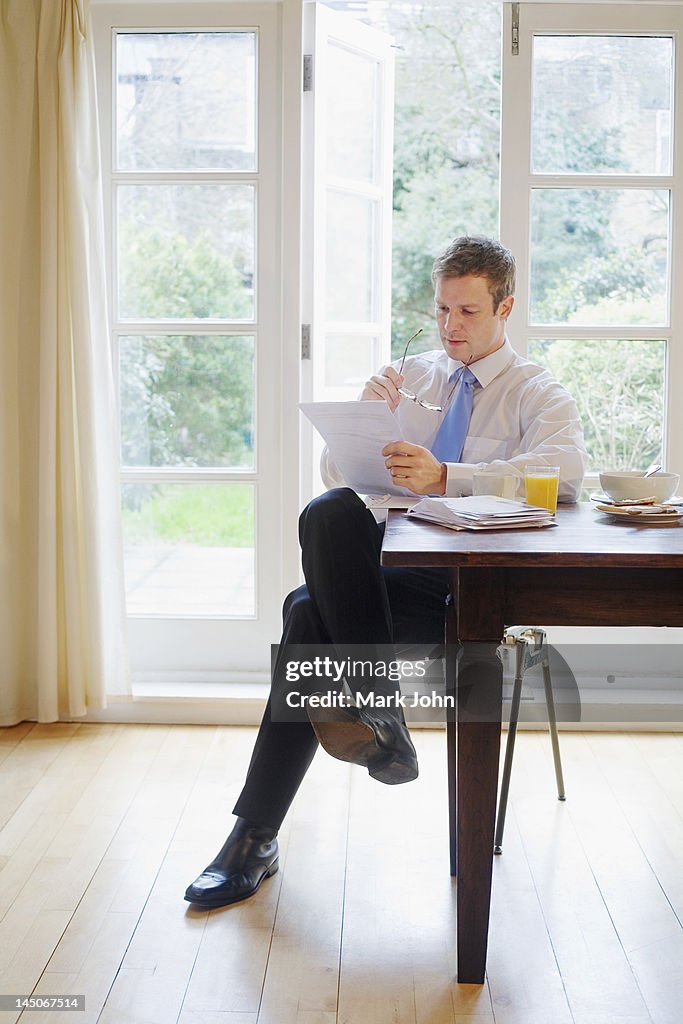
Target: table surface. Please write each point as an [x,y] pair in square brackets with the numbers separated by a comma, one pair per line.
[582,537]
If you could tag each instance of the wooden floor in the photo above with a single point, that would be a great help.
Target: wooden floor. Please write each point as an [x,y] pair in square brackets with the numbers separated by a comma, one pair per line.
[105,825]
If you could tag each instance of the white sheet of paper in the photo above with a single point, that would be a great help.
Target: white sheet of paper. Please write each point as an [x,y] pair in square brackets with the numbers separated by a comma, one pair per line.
[355,433]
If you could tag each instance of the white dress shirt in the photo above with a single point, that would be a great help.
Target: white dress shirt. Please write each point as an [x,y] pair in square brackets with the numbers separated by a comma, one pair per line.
[520,416]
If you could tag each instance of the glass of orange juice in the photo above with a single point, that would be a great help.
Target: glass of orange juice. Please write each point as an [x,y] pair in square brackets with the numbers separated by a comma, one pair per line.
[541,483]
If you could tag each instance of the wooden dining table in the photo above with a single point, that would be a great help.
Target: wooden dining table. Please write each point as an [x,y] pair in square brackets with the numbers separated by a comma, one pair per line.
[586,570]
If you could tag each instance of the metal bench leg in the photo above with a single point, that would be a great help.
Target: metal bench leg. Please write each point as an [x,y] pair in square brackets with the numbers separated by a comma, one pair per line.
[509,748]
[552,722]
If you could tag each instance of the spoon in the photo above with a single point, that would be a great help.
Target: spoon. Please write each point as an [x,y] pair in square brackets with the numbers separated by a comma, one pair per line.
[651,470]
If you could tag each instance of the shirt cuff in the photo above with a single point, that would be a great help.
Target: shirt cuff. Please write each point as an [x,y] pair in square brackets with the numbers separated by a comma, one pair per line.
[459,478]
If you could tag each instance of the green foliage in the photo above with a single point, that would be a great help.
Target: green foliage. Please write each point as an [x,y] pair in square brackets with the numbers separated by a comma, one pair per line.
[618,386]
[626,278]
[207,515]
[568,227]
[167,275]
[185,399]
[584,149]
[188,400]
[446,171]
[577,262]
[446,130]
[416,242]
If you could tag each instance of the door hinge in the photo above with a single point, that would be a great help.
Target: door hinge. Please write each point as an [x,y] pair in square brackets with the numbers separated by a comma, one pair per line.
[308,73]
[305,341]
[515,30]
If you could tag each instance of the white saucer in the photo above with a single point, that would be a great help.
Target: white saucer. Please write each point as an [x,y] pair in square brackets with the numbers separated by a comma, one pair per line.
[644,518]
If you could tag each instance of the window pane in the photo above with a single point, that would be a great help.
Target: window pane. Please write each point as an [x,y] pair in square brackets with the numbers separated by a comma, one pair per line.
[187,401]
[619,387]
[351,114]
[602,104]
[446,141]
[599,256]
[189,549]
[186,101]
[349,360]
[186,251]
[351,262]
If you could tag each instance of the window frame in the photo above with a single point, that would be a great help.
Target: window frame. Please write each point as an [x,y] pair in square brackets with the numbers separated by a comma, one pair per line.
[322,28]
[224,648]
[517,181]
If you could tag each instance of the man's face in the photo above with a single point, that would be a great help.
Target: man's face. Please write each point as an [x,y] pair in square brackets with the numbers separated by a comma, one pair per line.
[469,327]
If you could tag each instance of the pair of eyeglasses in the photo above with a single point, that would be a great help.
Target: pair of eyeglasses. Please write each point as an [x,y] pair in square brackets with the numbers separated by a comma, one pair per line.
[410,395]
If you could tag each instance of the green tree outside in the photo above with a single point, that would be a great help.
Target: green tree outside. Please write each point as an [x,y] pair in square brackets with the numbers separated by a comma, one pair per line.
[618,386]
[187,399]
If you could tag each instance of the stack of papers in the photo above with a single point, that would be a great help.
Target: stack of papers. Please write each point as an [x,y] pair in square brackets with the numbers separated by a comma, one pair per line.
[481,512]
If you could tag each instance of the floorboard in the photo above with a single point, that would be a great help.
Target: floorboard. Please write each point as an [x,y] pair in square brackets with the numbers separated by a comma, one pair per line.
[103,826]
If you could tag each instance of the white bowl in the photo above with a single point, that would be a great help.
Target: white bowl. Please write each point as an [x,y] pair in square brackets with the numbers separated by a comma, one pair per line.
[622,486]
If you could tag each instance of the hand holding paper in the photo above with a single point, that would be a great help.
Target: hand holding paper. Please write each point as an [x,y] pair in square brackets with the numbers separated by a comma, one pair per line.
[356,433]
[416,466]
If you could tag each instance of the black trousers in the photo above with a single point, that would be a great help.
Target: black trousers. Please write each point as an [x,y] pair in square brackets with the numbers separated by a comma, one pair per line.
[348,599]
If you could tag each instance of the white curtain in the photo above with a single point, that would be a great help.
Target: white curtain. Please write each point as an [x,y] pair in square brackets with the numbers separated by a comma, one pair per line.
[62,608]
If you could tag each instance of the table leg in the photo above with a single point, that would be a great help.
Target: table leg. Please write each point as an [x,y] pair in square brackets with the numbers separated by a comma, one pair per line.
[479,677]
[451,729]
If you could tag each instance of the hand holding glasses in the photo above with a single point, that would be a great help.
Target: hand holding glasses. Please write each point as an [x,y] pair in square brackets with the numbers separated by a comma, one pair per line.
[410,395]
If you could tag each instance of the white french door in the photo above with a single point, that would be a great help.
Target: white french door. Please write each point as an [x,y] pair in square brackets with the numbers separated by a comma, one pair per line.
[592,206]
[347,209]
[192,144]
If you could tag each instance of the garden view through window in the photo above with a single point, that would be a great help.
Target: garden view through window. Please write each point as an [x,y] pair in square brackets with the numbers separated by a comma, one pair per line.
[186,293]
[186,228]
[602,106]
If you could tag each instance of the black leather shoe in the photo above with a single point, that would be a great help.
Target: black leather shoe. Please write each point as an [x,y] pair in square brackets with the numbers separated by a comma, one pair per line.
[249,854]
[376,739]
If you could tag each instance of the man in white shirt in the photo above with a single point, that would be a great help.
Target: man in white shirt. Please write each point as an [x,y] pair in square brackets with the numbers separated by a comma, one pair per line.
[517,415]
[520,414]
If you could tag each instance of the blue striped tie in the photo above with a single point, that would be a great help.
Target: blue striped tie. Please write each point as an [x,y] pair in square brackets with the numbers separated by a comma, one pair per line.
[450,439]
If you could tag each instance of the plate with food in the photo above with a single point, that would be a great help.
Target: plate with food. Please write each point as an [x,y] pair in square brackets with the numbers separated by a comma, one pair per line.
[642,513]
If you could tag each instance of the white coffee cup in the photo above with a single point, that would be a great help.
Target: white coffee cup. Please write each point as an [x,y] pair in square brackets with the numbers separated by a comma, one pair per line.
[503,485]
